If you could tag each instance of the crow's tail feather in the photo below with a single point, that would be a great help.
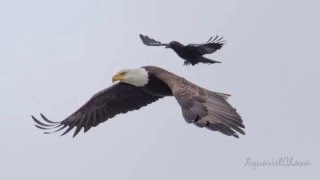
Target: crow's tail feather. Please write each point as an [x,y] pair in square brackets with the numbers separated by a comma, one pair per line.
[207,60]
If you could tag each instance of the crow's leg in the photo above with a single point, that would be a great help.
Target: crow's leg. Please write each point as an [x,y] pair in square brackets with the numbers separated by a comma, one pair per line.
[186,63]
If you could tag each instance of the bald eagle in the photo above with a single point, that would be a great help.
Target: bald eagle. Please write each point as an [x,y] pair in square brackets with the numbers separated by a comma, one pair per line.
[140,87]
[191,53]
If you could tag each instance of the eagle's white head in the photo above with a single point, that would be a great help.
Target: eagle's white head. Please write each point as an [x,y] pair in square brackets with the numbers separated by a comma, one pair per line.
[136,77]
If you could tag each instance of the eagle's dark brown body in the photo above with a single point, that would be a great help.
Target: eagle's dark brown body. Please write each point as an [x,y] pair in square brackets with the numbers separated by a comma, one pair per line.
[199,106]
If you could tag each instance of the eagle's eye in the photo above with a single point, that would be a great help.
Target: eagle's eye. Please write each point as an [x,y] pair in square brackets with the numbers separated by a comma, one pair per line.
[122,73]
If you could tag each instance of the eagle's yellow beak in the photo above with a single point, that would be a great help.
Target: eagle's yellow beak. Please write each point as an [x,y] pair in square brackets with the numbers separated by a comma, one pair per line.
[117,77]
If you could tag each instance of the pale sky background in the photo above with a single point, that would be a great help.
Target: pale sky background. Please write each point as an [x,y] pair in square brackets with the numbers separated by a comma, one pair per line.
[55,55]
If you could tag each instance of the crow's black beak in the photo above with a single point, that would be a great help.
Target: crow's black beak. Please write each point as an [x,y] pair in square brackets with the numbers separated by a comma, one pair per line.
[168,46]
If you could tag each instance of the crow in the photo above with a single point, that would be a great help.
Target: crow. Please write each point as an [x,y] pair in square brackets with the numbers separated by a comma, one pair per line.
[191,53]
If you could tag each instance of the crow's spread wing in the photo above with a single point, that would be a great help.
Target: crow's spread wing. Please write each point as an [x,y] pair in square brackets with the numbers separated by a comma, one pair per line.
[151,42]
[210,46]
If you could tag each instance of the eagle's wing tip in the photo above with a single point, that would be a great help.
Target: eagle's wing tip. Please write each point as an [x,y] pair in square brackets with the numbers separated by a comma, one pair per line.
[33,118]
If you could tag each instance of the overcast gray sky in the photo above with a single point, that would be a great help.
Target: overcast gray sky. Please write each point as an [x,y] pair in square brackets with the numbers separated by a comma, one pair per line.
[56,54]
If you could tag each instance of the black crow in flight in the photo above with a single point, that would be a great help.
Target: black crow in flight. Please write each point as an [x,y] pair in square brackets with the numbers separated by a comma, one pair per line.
[191,53]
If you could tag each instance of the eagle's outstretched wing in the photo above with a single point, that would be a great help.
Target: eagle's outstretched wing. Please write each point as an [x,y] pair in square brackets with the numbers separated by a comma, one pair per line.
[119,98]
[202,107]
[211,110]
[209,47]
[151,42]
